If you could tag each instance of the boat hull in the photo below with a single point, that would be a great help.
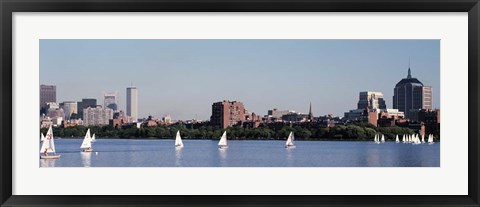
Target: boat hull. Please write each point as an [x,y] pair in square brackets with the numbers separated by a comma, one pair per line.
[290,146]
[87,150]
[222,146]
[49,156]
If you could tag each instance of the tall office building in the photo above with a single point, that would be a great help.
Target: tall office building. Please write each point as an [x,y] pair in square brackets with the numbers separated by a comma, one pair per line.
[69,107]
[97,116]
[411,94]
[48,93]
[110,100]
[427,97]
[85,103]
[371,100]
[132,104]
[227,113]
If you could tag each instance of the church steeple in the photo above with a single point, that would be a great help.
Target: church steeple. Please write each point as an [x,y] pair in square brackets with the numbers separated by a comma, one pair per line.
[310,114]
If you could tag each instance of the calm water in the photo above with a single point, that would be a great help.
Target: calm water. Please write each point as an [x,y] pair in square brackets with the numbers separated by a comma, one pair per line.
[204,153]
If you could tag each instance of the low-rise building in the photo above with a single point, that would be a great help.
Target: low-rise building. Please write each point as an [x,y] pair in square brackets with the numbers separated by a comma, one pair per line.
[46,122]
[167,119]
[72,122]
[295,117]
[276,114]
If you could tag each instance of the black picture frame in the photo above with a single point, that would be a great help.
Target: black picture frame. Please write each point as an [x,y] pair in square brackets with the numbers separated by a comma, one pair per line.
[9,6]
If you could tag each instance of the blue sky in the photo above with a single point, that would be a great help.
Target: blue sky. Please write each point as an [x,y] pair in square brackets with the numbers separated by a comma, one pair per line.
[184,77]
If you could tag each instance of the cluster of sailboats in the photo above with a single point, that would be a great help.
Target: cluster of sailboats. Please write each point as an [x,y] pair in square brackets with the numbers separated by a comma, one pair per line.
[407,138]
[48,146]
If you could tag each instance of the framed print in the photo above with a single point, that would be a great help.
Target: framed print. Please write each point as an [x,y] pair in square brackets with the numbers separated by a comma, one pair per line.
[257,103]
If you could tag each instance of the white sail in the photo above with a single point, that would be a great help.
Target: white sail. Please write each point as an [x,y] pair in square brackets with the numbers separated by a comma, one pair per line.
[178,140]
[383,138]
[42,137]
[396,139]
[403,138]
[416,139]
[87,141]
[375,139]
[290,140]
[223,140]
[430,138]
[48,144]
[93,138]
[45,146]
[423,138]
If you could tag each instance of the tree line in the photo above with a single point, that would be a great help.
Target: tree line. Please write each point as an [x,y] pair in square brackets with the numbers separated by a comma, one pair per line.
[356,131]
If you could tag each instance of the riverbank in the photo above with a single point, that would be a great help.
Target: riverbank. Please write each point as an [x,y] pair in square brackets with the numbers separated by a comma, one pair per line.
[351,132]
[217,139]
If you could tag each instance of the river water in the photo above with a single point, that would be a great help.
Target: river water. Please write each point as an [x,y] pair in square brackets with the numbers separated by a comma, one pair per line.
[258,153]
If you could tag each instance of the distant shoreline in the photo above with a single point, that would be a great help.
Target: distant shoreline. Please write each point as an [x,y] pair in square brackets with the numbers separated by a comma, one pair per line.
[153,138]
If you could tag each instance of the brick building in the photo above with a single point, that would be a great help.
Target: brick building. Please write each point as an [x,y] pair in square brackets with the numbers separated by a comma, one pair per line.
[227,113]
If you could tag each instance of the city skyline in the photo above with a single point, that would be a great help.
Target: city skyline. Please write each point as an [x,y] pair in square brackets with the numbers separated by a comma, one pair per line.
[184,77]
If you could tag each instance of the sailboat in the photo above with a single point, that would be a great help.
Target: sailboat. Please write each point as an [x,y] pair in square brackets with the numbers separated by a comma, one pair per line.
[87,143]
[178,140]
[416,139]
[403,139]
[396,139]
[430,139]
[383,138]
[93,138]
[377,138]
[423,138]
[290,139]
[222,144]
[42,137]
[48,146]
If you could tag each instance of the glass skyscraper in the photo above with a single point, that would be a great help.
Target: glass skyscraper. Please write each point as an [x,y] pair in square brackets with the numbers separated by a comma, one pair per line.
[411,94]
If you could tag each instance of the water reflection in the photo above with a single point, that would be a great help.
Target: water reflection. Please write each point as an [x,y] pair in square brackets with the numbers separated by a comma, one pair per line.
[290,157]
[178,157]
[47,162]
[373,155]
[205,153]
[223,156]
[86,159]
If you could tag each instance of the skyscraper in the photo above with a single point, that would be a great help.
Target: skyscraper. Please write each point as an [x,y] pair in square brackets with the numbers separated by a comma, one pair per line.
[85,103]
[110,101]
[411,94]
[227,113]
[132,107]
[69,107]
[371,100]
[48,93]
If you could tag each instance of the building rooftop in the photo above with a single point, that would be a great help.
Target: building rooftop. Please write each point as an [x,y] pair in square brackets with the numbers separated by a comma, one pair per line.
[409,79]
